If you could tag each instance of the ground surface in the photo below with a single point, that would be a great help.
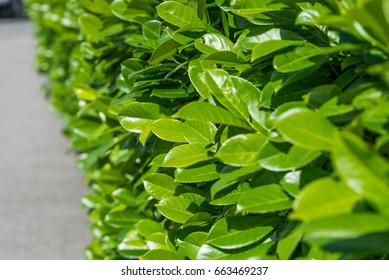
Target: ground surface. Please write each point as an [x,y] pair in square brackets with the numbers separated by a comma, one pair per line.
[40,185]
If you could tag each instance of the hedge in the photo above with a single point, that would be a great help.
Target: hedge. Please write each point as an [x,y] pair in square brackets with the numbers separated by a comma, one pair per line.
[227,129]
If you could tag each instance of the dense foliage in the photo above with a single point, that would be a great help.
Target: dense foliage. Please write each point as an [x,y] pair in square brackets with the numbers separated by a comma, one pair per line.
[227,129]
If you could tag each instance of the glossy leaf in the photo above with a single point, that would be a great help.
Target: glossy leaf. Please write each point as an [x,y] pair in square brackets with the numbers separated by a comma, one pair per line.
[254,8]
[300,58]
[90,25]
[264,199]
[273,159]
[168,130]
[148,227]
[177,209]
[230,175]
[288,245]
[343,227]
[199,132]
[307,129]
[324,198]
[138,116]
[265,48]
[241,150]
[208,252]
[196,74]
[160,186]
[177,13]
[205,173]
[363,171]
[169,93]
[225,57]
[132,11]
[213,42]
[124,196]
[160,254]
[237,95]
[164,50]
[221,236]
[151,30]
[122,218]
[201,111]
[132,246]
[192,244]
[185,155]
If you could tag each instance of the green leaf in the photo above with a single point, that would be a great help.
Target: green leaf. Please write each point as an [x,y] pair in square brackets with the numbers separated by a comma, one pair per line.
[192,243]
[90,25]
[196,74]
[132,246]
[287,245]
[331,229]
[265,48]
[201,111]
[298,59]
[96,6]
[185,155]
[197,199]
[160,254]
[158,240]
[199,6]
[164,50]
[307,56]
[138,116]
[224,57]
[241,150]
[122,219]
[196,174]
[259,252]
[199,132]
[168,130]
[250,38]
[324,198]
[223,235]
[254,9]
[198,219]
[169,93]
[264,199]
[230,175]
[148,227]
[177,14]
[151,30]
[186,34]
[93,201]
[132,11]
[85,92]
[213,42]
[124,196]
[160,186]
[272,159]
[229,197]
[178,209]
[363,170]
[236,94]
[307,129]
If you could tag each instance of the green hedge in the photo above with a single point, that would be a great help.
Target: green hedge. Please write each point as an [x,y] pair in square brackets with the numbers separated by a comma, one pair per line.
[227,129]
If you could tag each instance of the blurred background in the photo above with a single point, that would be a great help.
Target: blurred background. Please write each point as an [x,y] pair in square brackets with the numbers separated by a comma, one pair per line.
[40,186]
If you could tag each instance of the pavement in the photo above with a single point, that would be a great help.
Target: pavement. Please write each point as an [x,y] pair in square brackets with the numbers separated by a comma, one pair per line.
[40,186]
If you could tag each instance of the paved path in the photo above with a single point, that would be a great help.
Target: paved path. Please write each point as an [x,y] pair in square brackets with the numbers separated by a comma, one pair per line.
[40,186]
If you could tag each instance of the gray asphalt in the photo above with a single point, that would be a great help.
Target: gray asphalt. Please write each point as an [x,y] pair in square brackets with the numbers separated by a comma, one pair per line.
[40,186]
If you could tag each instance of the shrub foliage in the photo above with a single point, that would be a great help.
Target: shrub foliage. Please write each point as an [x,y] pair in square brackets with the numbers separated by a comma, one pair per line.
[227,129]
